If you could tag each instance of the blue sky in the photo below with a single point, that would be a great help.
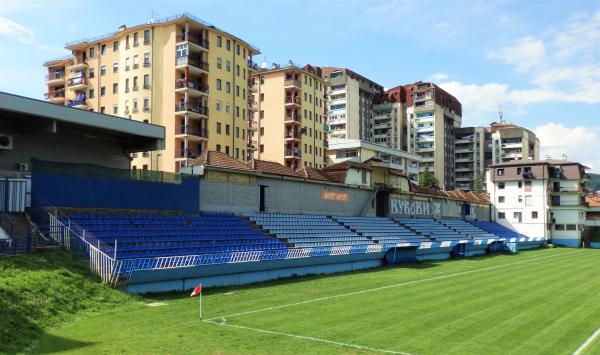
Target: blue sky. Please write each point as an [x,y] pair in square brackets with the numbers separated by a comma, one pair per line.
[540,60]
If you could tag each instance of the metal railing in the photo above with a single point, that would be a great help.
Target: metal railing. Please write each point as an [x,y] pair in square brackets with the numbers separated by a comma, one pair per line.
[76,81]
[292,82]
[55,75]
[183,37]
[194,61]
[199,132]
[293,100]
[79,102]
[55,95]
[183,106]
[191,84]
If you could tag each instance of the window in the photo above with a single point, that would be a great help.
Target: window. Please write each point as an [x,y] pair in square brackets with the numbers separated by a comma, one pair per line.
[501,199]
[261,148]
[219,127]
[218,147]
[227,149]
[219,84]
[228,45]
[501,215]
[102,70]
[146,104]
[146,59]
[91,93]
[227,65]
[115,88]
[102,90]
[127,64]
[147,37]
[135,106]
[219,41]
[520,198]
[262,131]
[500,172]
[519,171]
[527,186]
[103,49]
[135,83]
[102,109]
[528,201]
[237,132]
[227,108]
[218,106]
[237,111]
[91,73]
[115,109]
[571,227]
[115,67]
[115,46]
[147,81]
[262,114]
[237,70]
[227,130]
[559,227]
[92,52]
[228,87]
[518,216]
[127,42]
[237,153]
[237,90]
[262,97]
[219,63]
[136,62]
[534,215]
[501,186]
[237,49]
[364,176]
[520,184]
[135,39]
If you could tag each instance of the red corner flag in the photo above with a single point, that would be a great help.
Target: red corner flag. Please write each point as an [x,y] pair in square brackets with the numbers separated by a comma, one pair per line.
[197,291]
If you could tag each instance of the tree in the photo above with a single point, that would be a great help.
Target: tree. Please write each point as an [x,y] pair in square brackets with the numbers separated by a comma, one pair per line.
[427,179]
[479,182]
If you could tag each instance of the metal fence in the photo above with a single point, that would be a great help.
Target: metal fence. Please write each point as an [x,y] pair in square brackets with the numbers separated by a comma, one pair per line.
[15,236]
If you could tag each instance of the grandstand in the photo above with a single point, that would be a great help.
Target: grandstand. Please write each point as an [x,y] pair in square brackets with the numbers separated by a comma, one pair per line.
[381,230]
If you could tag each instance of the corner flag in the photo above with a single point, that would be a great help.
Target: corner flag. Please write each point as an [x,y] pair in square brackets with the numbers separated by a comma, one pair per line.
[198,292]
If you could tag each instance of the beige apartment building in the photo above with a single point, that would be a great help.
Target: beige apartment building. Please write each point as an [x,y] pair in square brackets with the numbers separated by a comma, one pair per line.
[289,120]
[508,142]
[469,157]
[432,115]
[179,72]
[389,123]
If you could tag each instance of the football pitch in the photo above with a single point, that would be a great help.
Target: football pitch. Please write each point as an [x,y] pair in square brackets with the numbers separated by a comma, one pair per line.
[536,302]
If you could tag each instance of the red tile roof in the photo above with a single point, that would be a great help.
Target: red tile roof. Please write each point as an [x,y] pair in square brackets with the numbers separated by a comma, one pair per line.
[347,165]
[219,160]
[270,167]
[311,173]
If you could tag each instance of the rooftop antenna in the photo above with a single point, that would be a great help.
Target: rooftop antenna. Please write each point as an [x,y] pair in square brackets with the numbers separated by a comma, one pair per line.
[153,16]
[500,113]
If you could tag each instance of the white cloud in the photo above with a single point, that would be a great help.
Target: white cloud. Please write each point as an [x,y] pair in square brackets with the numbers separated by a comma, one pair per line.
[12,29]
[437,77]
[524,55]
[576,143]
[52,49]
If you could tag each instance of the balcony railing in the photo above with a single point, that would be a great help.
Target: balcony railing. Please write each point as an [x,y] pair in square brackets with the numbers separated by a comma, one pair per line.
[197,108]
[55,76]
[183,37]
[75,81]
[295,153]
[199,132]
[293,100]
[187,153]
[194,61]
[292,135]
[191,84]
[252,65]
[55,95]
[292,82]
[294,118]
[77,102]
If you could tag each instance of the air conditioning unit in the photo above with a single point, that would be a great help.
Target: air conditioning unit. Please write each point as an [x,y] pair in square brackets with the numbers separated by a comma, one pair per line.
[6,142]
[23,167]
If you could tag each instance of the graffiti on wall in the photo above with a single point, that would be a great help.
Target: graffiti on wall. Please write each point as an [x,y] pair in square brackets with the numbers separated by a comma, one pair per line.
[415,207]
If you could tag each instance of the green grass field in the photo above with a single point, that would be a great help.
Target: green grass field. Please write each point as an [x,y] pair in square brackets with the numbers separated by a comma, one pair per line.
[536,302]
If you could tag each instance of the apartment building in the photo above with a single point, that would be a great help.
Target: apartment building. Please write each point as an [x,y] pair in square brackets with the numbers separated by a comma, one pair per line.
[540,198]
[388,126]
[179,72]
[288,125]
[508,142]
[350,97]
[469,157]
[432,115]
[355,150]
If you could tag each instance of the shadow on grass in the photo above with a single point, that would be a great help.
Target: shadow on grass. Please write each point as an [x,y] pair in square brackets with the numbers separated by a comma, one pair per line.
[51,344]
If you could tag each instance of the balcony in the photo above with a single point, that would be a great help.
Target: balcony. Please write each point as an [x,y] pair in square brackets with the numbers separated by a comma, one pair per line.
[79,103]
[55,78]
[195,41]
[295,119]
[76,83]
[187,153]
[77,64]
[55,96]
[295,154]
[192,110]
[292,83]
[193,133]
[293,100]
[292,136]
[252,105]
[252,66]
[195,87]
[196,64]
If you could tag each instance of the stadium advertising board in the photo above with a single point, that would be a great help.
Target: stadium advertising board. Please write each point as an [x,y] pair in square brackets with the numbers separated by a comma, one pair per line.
[335,196]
